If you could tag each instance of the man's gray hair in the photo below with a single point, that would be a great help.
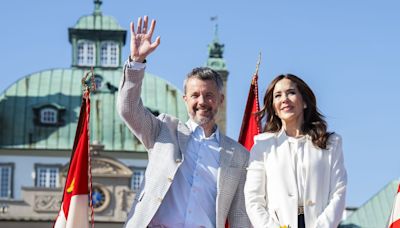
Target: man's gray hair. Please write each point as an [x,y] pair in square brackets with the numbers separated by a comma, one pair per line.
[204,73]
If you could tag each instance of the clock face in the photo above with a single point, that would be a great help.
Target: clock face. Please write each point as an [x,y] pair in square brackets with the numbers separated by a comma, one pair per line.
[98,197]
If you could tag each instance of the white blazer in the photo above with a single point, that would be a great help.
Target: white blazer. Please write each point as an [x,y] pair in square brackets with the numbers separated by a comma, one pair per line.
[271,194]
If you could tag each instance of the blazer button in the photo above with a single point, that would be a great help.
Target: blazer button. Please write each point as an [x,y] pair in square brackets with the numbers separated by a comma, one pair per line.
[290,195]
[160,199]
[178,160]
[170,179]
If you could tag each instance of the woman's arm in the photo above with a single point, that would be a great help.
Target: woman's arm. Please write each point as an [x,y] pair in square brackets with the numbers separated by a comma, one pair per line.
[332,214]
[256,196]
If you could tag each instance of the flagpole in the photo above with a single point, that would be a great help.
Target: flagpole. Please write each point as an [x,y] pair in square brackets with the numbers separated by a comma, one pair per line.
[258,63]
[86,95]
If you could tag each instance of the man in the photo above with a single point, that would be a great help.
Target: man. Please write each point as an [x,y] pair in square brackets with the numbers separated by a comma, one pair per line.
[195,175]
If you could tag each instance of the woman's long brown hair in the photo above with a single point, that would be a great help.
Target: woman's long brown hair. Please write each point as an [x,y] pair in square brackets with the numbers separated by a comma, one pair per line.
[314,124]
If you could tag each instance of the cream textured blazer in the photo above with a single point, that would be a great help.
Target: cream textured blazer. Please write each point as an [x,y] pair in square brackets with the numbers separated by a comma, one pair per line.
[166,139]
[271,190]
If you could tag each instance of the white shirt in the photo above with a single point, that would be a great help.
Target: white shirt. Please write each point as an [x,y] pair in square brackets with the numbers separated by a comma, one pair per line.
[191,199]
[296,146]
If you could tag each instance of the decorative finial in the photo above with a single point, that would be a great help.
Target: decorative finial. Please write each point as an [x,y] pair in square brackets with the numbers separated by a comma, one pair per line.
[215,18]
[215,49]
[97,4]
[258,63]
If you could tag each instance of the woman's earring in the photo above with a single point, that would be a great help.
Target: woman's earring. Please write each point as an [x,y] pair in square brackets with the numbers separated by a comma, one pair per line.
[305,106]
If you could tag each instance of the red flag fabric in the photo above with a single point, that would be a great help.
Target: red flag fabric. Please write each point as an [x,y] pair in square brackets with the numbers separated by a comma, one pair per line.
[74,206]
[251,123]
[394,221]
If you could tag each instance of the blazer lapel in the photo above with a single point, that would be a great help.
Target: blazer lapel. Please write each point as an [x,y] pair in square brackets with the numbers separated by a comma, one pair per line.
[183,139]
[226,156]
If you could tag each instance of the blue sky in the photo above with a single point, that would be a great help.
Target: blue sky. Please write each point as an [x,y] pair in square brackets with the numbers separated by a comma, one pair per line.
[347,51]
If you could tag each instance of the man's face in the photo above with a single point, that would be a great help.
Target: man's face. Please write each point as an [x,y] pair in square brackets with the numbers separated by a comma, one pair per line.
[202,101]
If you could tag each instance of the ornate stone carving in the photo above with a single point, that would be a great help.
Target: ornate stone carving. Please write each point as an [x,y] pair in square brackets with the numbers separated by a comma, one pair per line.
[103,167]
[125,201]
[47,203]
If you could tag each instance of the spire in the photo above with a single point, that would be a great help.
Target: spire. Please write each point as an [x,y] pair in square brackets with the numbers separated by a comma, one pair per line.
[97,4]
[215,49]
[215,18]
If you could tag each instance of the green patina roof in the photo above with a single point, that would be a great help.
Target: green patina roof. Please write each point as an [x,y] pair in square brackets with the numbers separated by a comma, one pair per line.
[376,211]
[98,22]
[62,88]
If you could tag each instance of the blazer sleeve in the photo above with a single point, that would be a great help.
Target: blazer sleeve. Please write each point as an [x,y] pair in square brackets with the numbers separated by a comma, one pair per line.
[141,122]
[332,214]
[237,216]
[256,197]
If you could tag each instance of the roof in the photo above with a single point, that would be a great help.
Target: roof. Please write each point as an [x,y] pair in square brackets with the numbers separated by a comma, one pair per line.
[98,22]
[62,88]
[376,211]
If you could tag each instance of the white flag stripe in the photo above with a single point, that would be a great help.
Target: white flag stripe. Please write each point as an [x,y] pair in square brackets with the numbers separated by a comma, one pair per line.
[396,210]
[78,213]
[61,222]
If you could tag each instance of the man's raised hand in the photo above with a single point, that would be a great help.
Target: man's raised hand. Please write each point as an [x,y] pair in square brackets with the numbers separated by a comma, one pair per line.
[141,45]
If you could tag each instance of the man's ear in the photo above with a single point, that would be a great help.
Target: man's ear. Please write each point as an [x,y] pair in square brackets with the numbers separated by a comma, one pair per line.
[184,98]
[222,99]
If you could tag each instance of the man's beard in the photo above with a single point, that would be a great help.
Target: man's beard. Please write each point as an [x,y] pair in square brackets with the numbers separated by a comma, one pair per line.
[204,119]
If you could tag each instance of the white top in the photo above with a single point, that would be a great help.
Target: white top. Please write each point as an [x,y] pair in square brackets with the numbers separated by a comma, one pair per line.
[296,146]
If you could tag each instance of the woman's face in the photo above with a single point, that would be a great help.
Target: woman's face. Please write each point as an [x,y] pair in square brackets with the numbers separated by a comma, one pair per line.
[288,103]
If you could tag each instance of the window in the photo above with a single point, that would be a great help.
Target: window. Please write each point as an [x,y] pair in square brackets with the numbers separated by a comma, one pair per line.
[86,53]
[6,180]
[48,116]
[137,178]
[98,80]
[47,176]
[109,54]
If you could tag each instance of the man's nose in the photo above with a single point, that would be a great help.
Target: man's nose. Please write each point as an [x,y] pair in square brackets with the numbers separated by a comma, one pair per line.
[201,99]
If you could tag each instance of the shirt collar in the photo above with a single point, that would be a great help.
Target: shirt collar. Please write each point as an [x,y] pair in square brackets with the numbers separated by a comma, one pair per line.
[197,130]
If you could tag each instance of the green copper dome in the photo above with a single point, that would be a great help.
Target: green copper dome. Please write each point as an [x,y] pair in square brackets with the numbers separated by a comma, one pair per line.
[98,22]
[61,90]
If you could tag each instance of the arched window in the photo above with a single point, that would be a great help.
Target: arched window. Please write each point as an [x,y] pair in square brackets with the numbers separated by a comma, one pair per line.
[109,54]
[86,53]
[99,81]
[48,116]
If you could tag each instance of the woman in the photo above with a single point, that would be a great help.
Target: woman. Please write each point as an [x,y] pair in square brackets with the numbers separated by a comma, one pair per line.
[296,175]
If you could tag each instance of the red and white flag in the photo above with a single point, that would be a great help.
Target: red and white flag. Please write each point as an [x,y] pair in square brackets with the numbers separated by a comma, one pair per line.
[74,206]
[394,221]
[251,123]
